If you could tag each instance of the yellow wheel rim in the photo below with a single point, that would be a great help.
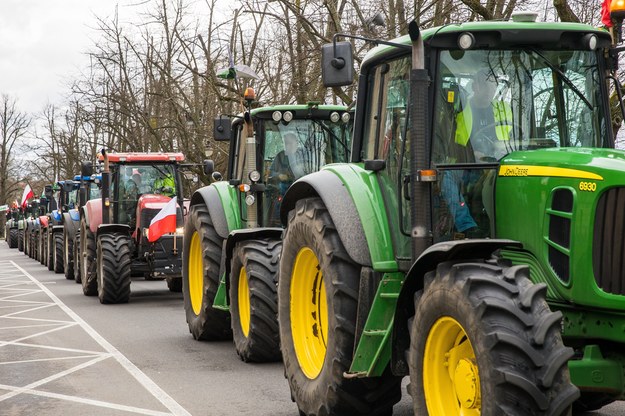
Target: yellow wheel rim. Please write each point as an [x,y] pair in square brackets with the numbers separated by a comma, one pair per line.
[451,381]
[309,313]
[244,302]
[196,273]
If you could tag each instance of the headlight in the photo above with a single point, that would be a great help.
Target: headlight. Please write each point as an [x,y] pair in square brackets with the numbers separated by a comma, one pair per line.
[254,176]
[288,116]
[334,117]
[345,117]
[276,116]
[249,200]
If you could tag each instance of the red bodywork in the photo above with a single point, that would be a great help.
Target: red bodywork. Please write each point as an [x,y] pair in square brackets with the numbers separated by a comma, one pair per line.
[43,220]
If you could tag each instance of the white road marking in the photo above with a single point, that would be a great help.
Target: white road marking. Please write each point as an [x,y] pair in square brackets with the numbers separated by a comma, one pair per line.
[167,401]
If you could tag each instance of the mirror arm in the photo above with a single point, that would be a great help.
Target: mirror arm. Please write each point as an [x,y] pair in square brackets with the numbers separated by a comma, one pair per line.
[339,63]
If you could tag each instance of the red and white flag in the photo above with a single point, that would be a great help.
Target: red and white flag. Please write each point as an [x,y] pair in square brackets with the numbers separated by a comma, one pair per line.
[164,222]
[28,193]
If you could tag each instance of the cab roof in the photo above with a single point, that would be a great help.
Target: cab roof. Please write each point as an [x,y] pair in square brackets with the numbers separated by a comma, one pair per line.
[143,157]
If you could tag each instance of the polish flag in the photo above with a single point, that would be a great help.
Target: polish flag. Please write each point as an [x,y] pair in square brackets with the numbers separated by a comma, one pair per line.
[164,222]
[28,193]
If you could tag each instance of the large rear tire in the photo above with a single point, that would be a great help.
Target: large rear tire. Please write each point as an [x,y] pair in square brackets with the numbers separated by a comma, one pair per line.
[58,252]
[76,253]
[13,238]
[484,342]
[68,256]
[50,250]
[318,301]
[254,300]
[113,254]
[88,275]
[201,258]
[20,240]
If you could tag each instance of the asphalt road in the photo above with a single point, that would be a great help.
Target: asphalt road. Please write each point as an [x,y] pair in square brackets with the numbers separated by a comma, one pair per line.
[64,353]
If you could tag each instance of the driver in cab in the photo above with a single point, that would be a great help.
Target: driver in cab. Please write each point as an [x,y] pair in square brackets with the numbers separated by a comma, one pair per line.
[484,122]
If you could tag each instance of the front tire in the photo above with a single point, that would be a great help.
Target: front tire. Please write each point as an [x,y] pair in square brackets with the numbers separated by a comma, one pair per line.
[317,304]
[13,238]
[484,342]
[113,259]
[68,256]
[58,252]
[201,260]
[88,273]
[254,300]
[76,253]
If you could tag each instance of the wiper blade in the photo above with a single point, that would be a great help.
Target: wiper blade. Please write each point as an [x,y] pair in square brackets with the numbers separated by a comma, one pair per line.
[563,77]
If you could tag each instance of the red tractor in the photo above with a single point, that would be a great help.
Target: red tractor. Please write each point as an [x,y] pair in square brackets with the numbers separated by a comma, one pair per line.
[114,228]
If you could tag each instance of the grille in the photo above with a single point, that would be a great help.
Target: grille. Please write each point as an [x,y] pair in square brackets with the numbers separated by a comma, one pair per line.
[608,250]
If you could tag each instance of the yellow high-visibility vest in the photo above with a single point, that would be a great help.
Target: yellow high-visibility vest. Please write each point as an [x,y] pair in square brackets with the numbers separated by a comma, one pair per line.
[503,122]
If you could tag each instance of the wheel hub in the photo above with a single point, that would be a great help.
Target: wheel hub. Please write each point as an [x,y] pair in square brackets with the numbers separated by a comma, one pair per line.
[466,384]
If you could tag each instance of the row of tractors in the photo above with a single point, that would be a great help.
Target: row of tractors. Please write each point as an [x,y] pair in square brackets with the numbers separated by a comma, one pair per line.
[338,241]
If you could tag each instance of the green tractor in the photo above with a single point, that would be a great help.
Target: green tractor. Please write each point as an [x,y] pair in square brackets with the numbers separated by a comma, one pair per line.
[232,238]
[483,262]
[11,225]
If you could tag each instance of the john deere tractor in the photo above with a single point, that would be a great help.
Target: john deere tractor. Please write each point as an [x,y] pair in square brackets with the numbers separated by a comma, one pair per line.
[483,262]
[114,228]
[232,238]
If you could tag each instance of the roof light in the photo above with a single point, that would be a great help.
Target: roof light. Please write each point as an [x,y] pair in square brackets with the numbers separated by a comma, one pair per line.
[590,41]
[249,94]
[276,116]
[287,116]
[466,40]
[334,117]
[346,117]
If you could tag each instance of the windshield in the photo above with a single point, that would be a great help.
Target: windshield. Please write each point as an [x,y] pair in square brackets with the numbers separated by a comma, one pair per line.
[296,149]
[539,99]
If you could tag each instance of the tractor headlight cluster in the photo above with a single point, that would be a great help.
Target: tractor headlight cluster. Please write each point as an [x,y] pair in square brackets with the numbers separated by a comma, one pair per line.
[277,116]
[335,117]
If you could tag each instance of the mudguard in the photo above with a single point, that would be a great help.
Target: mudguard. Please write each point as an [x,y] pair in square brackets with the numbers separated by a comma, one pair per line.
[222,206]
[71,225]
[337,198]
[413,282]
[112,228]
[93,214]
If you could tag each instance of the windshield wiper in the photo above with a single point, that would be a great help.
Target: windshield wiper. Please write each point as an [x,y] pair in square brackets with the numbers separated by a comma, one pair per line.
[563,77]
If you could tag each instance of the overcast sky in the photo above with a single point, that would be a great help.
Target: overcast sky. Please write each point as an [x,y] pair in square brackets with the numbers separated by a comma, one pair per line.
[42,43]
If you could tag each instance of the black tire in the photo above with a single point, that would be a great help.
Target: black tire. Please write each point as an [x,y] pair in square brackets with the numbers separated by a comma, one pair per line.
[255,329]
[495,323]
[20,240]
[592,401]
[76,254]
[174,284]
[58,252]
[113,258]
[50,250]
[13,238]
[318,385]
[68,256]
[202,252]
[88,274]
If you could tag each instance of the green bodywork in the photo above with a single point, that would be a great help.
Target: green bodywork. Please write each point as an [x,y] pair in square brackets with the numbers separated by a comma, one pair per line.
[232,200]
[546,199]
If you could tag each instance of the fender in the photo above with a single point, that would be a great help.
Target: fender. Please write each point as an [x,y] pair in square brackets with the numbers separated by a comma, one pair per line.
[349,192]
[70,224]
[112,228]
[57,229]
[223,206]
[93,214]
[413,282]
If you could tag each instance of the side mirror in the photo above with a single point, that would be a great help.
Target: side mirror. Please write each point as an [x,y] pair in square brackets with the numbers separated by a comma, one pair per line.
[217,176]
[48,191]
[209,167]
[86,169]
[222,129]
[337,64]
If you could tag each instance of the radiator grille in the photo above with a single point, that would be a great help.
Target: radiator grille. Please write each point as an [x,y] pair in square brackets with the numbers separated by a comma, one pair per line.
[148,214]
[608,250]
